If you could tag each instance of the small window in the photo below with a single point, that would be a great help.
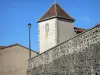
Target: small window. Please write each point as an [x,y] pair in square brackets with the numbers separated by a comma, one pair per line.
[47,27]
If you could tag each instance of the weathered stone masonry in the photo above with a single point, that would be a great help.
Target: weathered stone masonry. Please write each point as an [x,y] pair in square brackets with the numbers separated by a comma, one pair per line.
[79,55]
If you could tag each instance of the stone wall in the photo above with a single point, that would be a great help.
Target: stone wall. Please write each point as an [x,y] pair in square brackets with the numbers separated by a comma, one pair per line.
[79,55]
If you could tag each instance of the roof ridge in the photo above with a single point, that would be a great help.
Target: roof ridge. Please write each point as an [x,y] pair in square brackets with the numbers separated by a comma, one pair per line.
[18,45]
[56,9]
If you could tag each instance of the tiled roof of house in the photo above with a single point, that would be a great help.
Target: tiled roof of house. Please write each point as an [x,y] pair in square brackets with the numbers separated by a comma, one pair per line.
[55,11]
[79,30]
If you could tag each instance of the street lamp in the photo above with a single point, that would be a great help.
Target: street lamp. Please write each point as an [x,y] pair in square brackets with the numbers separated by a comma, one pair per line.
[29,26]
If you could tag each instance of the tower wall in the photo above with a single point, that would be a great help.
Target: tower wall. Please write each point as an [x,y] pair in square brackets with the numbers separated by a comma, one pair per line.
[65,30]
[47,39]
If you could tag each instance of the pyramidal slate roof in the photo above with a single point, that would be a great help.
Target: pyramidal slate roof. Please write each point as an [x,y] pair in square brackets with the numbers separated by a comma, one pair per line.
[55,11]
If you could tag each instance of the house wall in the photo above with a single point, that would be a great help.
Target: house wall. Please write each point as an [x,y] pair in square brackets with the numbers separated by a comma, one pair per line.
[13,60]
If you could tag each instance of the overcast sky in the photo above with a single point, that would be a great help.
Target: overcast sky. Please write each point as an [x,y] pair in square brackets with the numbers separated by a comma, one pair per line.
[16,14]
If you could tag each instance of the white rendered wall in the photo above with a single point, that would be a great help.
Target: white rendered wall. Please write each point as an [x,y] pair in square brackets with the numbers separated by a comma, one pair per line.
[65,30]
[47,40]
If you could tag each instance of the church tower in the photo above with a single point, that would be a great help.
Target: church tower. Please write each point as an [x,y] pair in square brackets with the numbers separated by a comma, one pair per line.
[54,27]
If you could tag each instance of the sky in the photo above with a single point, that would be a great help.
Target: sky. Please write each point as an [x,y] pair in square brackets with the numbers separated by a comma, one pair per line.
[16,14]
